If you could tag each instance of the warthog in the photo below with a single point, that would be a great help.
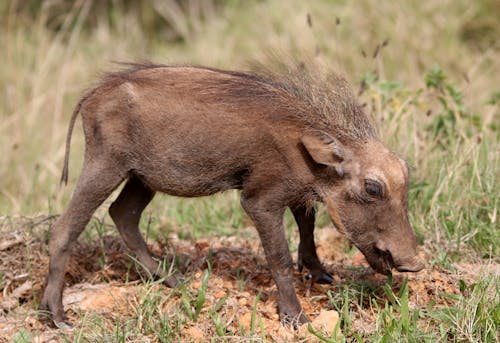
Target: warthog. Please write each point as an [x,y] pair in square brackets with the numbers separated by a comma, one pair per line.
[284,139]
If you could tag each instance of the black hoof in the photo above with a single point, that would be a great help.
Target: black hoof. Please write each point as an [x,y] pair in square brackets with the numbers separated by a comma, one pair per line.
[173,281]
[324,278]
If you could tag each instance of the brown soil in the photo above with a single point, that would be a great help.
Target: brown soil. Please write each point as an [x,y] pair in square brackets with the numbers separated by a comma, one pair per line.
[110,283]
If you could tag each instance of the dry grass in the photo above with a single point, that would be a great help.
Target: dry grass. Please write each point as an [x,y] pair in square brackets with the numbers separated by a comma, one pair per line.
[45,72]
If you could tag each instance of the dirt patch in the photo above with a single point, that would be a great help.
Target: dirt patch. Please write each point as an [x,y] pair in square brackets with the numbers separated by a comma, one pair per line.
[103,278]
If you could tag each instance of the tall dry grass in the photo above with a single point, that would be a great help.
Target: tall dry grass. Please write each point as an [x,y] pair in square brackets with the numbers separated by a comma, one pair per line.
[387,47]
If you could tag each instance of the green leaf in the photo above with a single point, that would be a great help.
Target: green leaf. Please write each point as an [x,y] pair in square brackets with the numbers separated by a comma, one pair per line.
[23,336]
[435,77]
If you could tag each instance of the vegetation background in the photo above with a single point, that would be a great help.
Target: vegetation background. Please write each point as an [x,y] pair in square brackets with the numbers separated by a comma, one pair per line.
[427,71]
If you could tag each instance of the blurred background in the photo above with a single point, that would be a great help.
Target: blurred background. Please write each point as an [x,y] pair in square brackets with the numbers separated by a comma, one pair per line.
[427,72]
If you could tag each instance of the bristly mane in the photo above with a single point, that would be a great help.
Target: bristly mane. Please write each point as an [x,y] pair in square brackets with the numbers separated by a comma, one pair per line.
[327,95]
[321,100]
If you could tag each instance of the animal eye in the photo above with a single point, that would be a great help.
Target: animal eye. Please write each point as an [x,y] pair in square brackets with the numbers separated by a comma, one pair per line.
[374,188]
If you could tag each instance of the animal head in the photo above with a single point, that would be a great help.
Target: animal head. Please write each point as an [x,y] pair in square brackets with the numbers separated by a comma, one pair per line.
[365,188]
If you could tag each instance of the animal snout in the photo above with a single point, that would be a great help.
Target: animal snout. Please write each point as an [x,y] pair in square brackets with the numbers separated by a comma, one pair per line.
[402,264]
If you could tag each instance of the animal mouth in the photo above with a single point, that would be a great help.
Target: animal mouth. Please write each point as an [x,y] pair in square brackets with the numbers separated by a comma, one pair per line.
[384,261]
[381,261]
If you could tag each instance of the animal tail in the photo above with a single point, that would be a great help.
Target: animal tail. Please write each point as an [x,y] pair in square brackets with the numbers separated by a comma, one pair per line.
[64,176]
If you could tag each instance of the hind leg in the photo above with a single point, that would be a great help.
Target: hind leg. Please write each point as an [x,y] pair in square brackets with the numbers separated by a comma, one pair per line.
[97,181]
[126,213]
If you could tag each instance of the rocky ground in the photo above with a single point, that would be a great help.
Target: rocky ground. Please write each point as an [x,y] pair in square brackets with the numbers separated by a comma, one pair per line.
[102,278]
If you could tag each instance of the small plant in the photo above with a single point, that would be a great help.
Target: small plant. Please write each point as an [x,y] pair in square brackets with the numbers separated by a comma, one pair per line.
[193,304]
[220,327]
[2,280]
[23,336]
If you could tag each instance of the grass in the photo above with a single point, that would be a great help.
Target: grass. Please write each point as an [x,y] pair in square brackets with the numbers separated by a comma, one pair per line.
[370,310]
[426,71]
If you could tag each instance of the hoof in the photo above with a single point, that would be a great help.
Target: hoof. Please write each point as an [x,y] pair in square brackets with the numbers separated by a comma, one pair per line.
[295,321]
[64,325]
[46,317]
[324,278]
[173,281]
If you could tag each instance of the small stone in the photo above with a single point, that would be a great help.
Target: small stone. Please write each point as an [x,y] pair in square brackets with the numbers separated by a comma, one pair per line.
[101,298]
[220,294]
[194,334]
[325,323]
[246,320]
[216,282]
[196,284]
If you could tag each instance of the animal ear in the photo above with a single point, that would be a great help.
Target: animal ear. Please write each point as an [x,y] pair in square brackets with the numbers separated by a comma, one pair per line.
[325,149]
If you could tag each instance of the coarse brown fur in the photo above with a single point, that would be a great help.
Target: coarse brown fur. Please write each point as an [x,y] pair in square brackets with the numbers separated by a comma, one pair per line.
[317,100]
[286,139]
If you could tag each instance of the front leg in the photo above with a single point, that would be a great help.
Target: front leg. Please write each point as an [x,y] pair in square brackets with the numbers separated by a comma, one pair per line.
[269,223]
[307,248]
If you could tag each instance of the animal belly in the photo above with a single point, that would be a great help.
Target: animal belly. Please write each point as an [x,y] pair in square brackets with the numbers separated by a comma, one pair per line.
[189,179]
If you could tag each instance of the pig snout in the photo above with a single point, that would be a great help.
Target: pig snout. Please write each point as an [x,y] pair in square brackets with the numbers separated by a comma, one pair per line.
[403,260]
[415,265]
